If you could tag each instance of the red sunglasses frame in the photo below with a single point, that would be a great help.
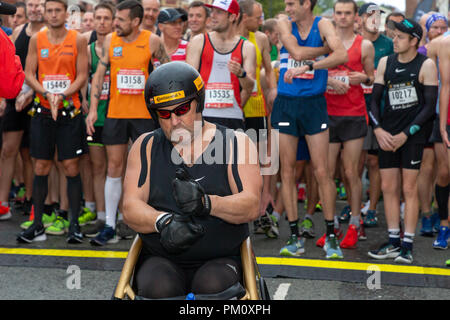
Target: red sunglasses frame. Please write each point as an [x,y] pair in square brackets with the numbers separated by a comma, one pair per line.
[181,110]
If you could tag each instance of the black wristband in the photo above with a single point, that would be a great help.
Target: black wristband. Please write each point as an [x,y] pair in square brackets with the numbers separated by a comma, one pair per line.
[45,94]
[367,80]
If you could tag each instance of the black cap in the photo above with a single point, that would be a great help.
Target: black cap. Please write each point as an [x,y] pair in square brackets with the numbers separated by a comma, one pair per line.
[410,27]
[170,15]
[7,9]
[368,8]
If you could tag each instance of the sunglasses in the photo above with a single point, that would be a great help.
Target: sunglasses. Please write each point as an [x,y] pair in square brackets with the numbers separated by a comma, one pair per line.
[178,111]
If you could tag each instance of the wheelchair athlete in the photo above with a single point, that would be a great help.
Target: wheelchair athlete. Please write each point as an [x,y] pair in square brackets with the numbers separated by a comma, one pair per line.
[190,212]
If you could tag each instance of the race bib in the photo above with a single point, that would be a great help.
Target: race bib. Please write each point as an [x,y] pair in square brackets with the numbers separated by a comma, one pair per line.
[56,83]
[105,88]
[130,81]
[340,75]
[292,63]
[368,89]
[219,95]
[402,95]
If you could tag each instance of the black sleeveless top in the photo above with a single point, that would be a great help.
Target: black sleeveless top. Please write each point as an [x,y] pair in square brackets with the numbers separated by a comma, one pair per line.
[222,239]
[404,97]
[21,44]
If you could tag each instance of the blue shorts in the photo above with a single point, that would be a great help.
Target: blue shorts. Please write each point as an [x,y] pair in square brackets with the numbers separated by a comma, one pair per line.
[302,150]
[299,116]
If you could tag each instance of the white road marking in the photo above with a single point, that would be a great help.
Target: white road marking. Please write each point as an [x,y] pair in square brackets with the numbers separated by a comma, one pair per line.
[282,291]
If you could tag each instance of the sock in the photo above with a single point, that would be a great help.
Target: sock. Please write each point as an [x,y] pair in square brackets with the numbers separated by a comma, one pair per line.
[394,237]
[101,215]
[64,214]
[336,222]
[330,227]
[48,208]
[90,205]
[308,216]
[442,194]
[408,240]
[294,227]
[74,191]
[355,220]
[40,190]
[113,191]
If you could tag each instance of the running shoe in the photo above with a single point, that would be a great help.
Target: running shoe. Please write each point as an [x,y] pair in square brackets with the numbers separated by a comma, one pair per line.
[93,230]
[59,227]
[123,231]
[344,216]
[342,192]
[47,221]
[331,248]
[319,207]
[87,217]
[257,228]
[301,195]
[441,241]
[5,213]
[370,220]
[32,234]
[294,247]
[447,263]
[307,228]
[427,227]
[385,251]
[106,236]
[20,195]
[351,238]
[75,236]
[405,256]
[436,222]
[321,242]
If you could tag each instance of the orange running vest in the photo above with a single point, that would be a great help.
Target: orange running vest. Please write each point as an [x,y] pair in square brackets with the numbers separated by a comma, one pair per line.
[57,66]
[129,64]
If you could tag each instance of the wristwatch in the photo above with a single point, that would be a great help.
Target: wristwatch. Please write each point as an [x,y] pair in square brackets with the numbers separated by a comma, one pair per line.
[309,63]
[367,80]
[244,74]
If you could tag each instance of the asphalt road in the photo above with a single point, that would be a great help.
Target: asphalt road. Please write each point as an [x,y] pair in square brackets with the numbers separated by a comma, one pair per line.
[26,275]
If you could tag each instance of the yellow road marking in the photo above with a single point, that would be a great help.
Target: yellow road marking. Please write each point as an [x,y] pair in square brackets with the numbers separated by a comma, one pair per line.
[295,262]
[352,265]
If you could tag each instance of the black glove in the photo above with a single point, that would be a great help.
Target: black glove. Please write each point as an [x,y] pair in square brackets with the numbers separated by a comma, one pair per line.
[190,195]
[178,233]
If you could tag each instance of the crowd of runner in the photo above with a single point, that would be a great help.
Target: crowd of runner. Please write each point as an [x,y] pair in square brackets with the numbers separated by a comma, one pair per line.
[351,103]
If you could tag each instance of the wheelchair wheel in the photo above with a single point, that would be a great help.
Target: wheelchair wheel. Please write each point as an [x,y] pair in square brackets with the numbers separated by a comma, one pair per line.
[263,291]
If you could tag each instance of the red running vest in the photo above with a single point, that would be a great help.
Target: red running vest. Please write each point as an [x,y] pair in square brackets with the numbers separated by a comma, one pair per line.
[352,103]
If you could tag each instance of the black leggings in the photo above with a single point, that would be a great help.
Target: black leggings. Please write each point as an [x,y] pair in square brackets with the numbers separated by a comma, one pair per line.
[158,277]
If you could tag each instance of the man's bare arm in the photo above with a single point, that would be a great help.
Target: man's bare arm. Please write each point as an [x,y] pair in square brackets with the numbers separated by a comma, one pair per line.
[31,67]
[194,51]
[338,53]
[158,50]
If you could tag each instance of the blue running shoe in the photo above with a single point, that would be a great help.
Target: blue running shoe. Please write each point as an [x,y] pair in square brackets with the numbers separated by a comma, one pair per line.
[294,247]
[107,235]
[332,249]
[370,220]
[436,222]
[441,241]
[427,227]
[345,214]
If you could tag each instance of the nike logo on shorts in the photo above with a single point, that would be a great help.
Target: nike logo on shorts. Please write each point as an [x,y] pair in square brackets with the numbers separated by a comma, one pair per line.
[415,162]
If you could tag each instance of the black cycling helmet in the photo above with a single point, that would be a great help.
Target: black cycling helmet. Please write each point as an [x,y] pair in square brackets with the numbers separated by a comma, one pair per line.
[173,83]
